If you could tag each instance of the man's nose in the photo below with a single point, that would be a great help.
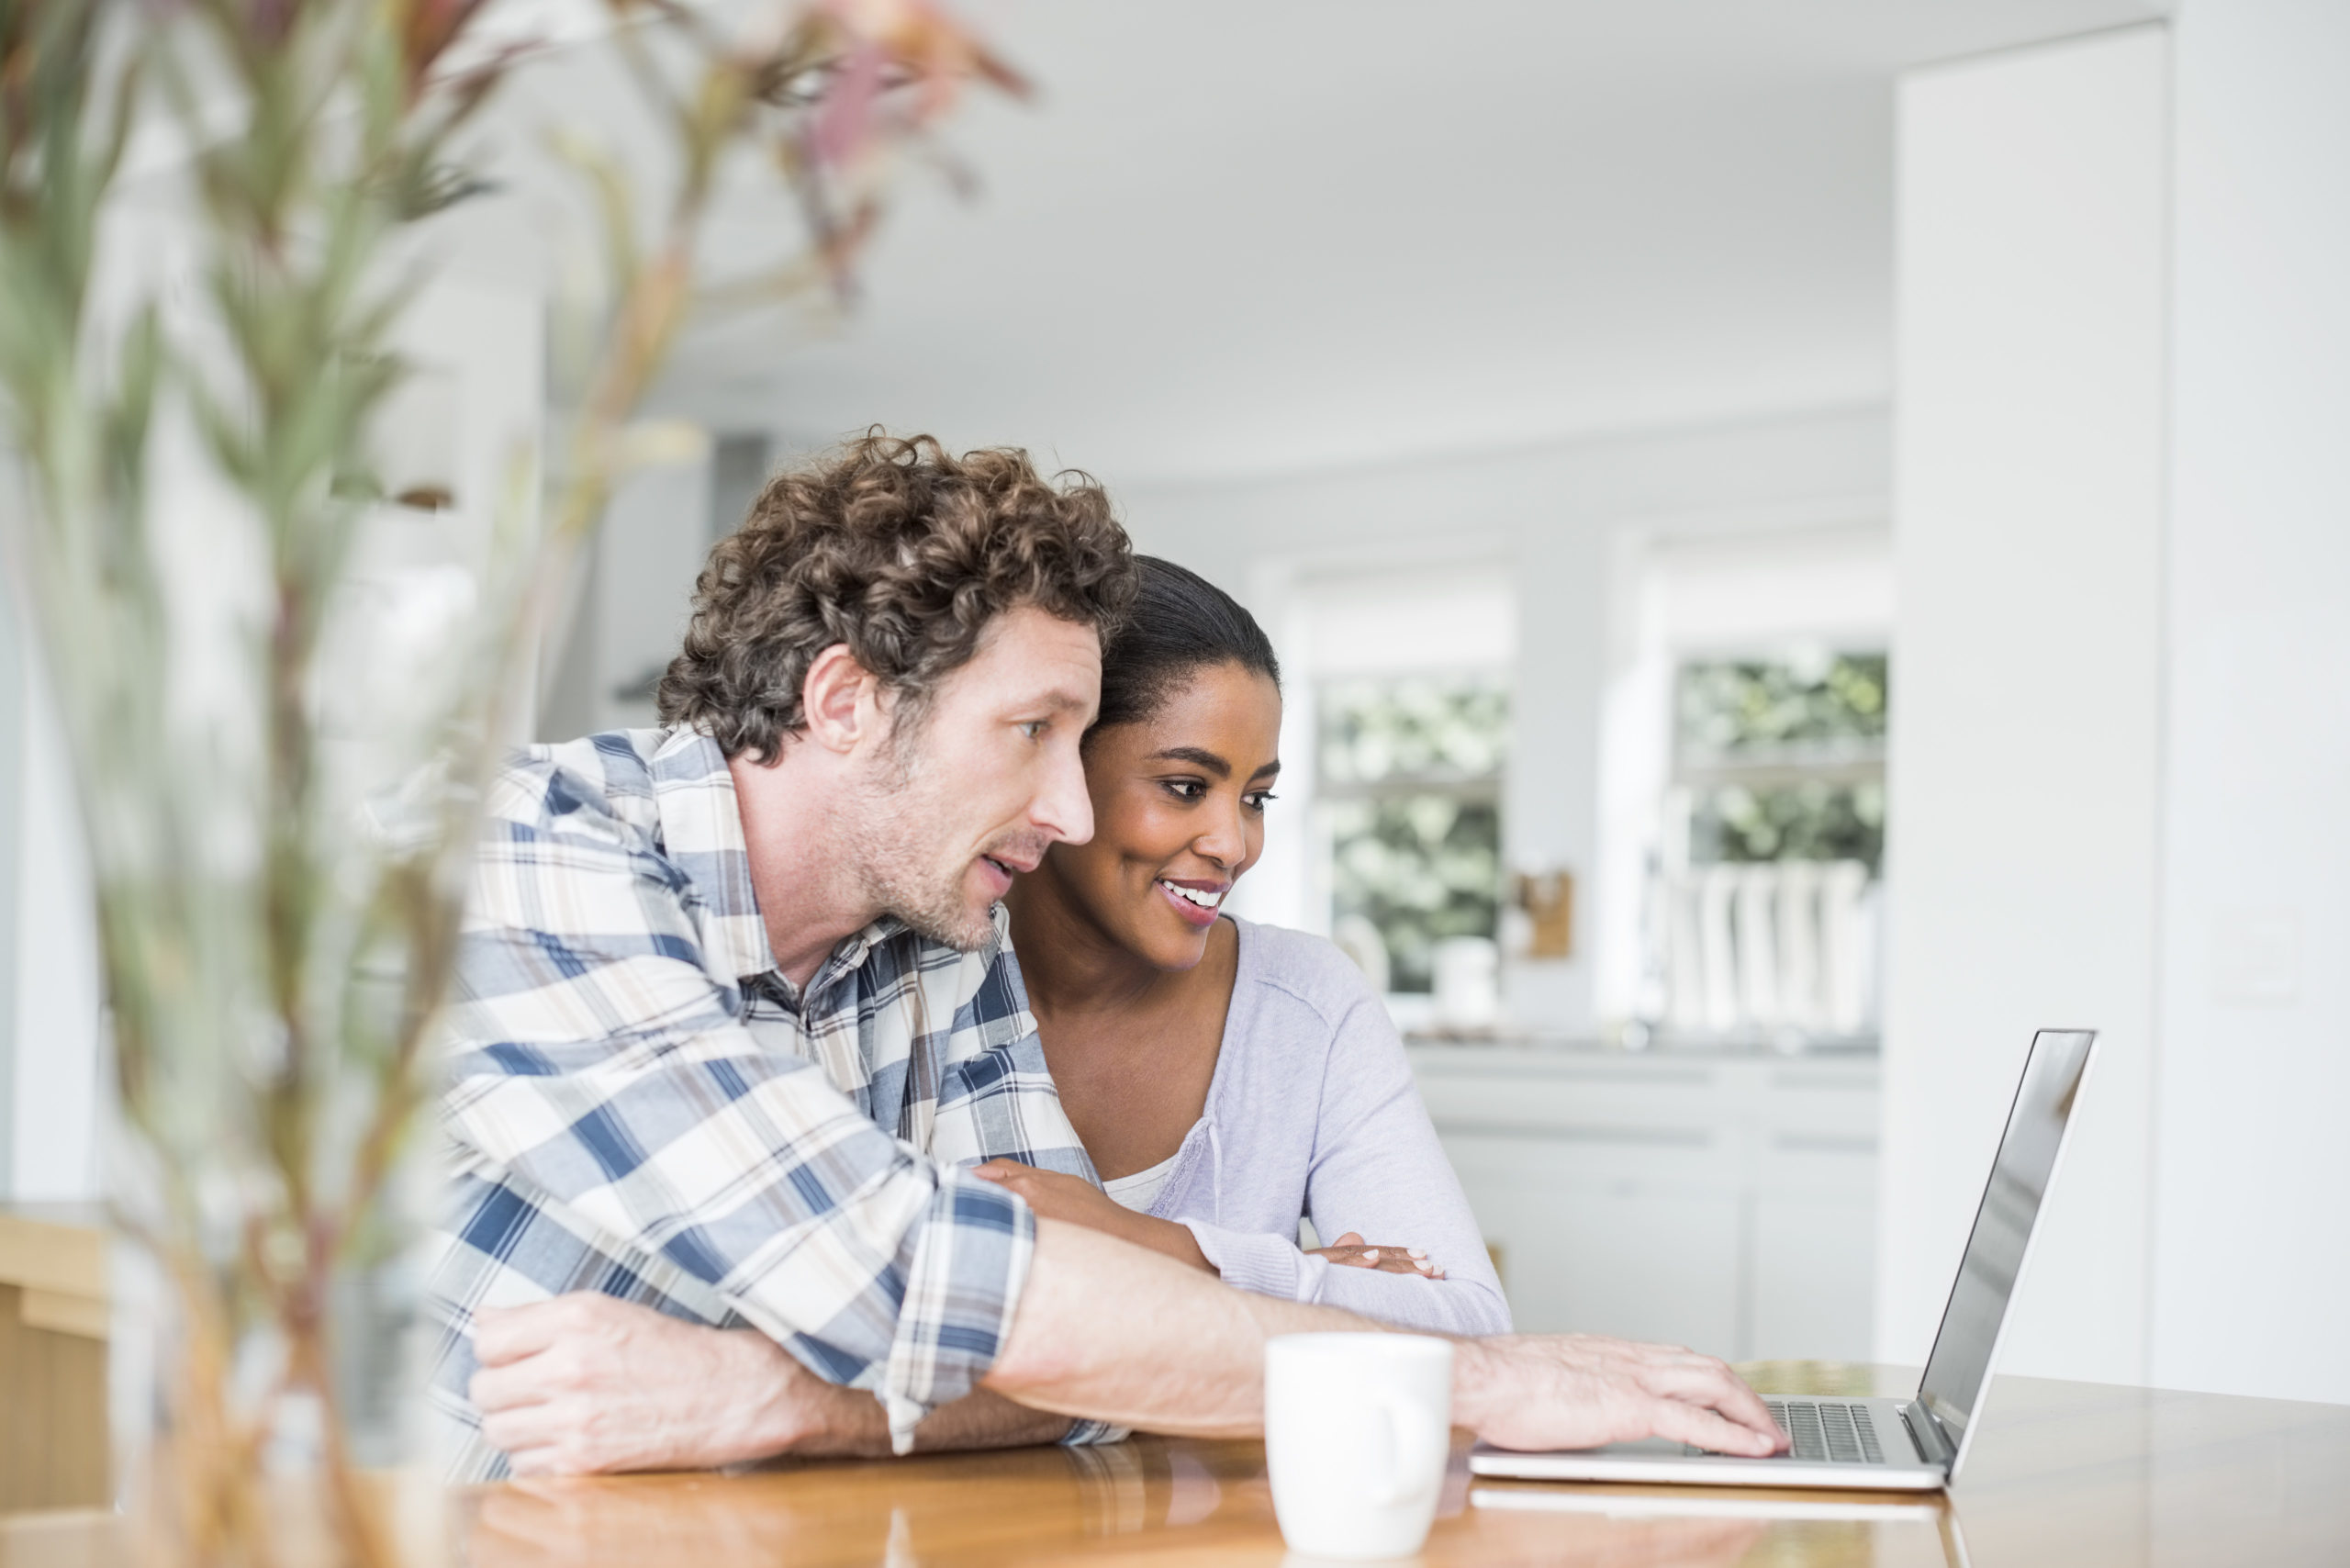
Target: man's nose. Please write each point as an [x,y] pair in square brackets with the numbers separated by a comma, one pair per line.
[1062,808]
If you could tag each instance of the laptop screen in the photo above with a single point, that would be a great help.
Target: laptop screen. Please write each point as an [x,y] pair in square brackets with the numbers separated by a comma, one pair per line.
[1994,1250]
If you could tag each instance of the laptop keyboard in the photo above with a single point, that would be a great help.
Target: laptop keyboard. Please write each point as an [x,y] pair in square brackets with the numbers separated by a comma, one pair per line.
[1829,1431]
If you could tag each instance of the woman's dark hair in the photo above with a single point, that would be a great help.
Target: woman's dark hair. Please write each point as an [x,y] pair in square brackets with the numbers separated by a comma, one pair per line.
[1178,623]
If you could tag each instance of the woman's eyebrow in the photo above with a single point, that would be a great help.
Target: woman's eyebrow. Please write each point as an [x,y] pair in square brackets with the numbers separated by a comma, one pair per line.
[1198,756]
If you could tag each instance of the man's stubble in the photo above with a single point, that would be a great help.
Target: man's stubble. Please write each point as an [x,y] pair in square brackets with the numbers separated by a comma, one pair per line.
[913,855]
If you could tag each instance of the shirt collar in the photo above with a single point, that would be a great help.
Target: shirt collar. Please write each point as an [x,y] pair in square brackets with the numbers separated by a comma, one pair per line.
[701,832]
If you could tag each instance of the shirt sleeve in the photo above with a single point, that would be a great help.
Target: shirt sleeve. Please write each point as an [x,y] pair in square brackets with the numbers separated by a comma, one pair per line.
[1377,1169]
[1093,1434]
[599,1067]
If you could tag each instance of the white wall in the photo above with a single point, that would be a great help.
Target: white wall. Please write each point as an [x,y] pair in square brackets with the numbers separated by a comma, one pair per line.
[49,987]
[651,547]
[12,693]
[54,1153]
[2252,1245]
[1552,516]
[2026,730]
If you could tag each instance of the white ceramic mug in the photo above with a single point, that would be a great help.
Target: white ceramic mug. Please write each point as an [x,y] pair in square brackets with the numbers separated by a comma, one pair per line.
[1357,1431]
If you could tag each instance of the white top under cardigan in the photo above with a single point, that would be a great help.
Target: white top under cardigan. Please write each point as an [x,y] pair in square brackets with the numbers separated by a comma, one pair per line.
[1313,1111]
[1141,1190]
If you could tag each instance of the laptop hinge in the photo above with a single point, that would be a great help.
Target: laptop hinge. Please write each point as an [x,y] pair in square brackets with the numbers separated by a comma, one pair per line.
[1926,1433]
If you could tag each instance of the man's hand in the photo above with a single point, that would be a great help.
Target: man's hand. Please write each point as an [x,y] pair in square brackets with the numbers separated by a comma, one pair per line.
[1351,1251]
[1114,1333]
[588,1385]
[585,1384]
[1578,1391]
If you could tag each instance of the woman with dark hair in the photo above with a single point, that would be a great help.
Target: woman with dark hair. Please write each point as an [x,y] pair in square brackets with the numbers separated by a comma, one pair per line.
[1224,1077]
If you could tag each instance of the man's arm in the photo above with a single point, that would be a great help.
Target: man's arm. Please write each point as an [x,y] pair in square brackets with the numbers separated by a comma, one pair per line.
[586,1384]
[1104,1330]
[1112,1332]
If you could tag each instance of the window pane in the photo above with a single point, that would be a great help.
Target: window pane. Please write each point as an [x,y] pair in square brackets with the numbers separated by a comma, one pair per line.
[1420,868]
[1409,772]
[1734,709]
[1812,819]
[1415,727]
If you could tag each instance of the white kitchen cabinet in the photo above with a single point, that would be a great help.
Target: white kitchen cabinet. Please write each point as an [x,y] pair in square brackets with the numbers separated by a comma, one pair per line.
[1725,1203]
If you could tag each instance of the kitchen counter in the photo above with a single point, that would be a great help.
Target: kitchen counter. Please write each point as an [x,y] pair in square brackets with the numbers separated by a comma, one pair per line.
[1677,1047]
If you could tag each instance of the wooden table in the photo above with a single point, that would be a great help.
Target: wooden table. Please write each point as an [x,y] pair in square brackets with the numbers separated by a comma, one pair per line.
[2070,1473]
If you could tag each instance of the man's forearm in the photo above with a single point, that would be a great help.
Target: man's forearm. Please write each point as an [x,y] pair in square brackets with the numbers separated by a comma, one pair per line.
[1118,1333]
[585,1383]
[850,1424]
[982,1419]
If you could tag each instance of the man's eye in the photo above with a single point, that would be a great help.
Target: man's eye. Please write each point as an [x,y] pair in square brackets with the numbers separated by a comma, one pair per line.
[1032,728]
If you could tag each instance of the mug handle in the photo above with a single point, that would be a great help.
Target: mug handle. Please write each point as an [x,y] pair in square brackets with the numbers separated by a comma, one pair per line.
[1415,1438]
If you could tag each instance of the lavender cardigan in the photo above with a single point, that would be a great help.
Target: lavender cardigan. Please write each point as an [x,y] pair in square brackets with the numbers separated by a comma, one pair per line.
[1313,1111]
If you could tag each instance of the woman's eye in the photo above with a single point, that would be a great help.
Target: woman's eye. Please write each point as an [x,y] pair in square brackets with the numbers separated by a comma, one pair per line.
[1259,799]
[1187,789]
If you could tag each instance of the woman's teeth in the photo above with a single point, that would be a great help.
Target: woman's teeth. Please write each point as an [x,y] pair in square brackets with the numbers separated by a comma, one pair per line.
[1205,900]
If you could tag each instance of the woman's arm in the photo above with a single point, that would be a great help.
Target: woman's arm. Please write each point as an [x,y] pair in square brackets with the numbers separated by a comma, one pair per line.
[1377,1169]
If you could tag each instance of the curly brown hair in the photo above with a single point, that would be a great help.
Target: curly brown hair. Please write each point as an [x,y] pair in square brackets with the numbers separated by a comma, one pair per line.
[900,550]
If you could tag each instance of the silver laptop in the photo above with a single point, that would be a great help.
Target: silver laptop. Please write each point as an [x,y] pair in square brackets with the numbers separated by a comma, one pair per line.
[1908,1445]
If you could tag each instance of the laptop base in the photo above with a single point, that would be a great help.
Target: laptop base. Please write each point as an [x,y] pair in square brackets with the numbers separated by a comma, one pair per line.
[1657,1460]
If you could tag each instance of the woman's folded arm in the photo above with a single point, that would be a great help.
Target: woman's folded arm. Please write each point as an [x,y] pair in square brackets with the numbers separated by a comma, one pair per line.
[1470,1303]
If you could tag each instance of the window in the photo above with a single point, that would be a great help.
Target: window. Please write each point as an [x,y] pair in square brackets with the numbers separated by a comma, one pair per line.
[1393,741]
[1742,801]
[1409,774]
[1783,759]
[1767,909]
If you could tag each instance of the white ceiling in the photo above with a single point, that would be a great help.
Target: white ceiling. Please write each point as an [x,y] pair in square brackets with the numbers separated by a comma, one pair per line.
[1234,237]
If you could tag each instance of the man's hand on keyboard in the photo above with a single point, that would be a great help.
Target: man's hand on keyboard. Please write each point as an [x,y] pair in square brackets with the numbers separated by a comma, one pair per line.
[1832,1430]
[1578,1391]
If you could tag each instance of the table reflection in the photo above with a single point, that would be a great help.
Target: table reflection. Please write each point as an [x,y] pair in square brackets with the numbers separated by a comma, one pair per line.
[964,1507]
[1154,1499]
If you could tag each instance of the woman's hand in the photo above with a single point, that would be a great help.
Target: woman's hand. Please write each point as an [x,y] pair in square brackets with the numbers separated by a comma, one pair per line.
[1351,1251]
[1080,1202]
[1057,1196]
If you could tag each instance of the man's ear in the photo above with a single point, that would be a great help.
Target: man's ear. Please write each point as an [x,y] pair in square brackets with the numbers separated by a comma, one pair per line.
[841,700]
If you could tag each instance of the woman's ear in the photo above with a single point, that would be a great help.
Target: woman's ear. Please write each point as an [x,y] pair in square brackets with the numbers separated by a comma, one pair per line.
[840,700]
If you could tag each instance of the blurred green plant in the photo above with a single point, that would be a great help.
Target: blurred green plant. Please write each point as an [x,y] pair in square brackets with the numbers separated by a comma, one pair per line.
[1727,709]
[278,898]
[1814,820]
[1783,758]
[1420,869]
[1409,775]
[1417,727]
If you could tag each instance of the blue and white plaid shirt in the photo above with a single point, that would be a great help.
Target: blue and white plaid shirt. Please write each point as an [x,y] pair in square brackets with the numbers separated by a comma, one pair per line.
[642,1105]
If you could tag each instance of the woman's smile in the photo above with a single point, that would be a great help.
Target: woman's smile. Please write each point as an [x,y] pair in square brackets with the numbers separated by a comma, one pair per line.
[1195,903]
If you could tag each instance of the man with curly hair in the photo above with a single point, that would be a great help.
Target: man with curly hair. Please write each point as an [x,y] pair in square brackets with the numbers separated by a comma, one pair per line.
[736,1014]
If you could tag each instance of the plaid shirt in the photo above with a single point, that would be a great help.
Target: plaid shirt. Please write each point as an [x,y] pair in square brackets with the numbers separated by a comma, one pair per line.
[642,1105]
